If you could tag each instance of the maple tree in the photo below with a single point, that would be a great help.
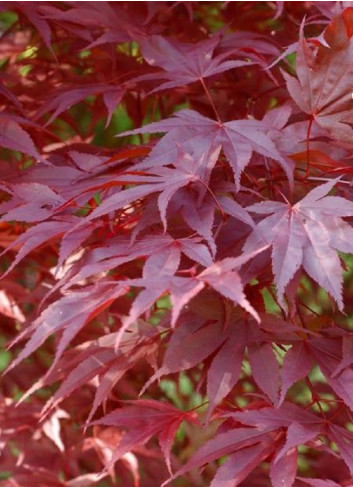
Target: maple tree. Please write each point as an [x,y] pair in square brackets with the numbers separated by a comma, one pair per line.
[176,243]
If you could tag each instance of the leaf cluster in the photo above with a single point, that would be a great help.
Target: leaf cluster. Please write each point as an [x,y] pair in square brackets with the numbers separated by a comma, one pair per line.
[176,235]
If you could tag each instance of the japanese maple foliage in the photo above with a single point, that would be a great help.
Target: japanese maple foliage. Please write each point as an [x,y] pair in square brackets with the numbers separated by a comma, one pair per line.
[176,243]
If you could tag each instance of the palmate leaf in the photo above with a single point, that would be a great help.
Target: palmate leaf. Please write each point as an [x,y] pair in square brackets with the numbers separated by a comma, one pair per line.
[307,234]
[144,419]
[239,140]
[325,73]
[183,63]
[166,181]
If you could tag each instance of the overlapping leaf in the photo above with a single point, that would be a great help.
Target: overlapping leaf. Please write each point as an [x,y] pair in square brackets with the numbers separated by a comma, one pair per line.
[239,140]
[144,419]
[135,251]
[183,63]
[248,446]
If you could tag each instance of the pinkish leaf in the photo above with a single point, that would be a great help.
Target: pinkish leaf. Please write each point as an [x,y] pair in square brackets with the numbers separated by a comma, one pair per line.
[12,136]
[239,465]
[298,434]
[318,482]
[265,369]
[324,84]
[36,236]
[239,139]
[224,371]
[142,420]
[296,365]
[184,63]
[69,314]
[284,470]
[344,439]
[223,444]
[308,234]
